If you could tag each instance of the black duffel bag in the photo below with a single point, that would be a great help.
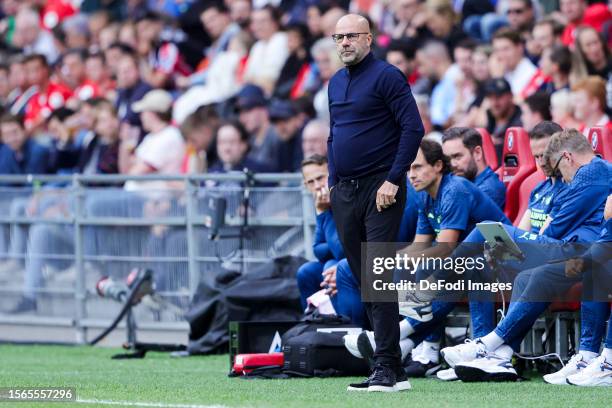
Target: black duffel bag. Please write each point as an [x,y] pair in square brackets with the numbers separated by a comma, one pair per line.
[314,348]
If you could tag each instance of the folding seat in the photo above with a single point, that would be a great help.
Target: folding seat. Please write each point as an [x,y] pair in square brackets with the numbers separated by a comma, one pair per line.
[525,190]
[601,141]
[488,149]
[517,164]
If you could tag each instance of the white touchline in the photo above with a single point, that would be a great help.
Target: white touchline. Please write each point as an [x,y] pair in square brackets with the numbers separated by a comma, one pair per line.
[144,404]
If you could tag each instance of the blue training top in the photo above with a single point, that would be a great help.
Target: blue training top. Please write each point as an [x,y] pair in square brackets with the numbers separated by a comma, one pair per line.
[541,201]
[491,185]
[326,244]
[578,211]
[459,205]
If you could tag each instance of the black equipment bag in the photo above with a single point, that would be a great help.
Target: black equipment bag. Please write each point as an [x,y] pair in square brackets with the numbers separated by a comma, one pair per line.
[268,292]
[310,350]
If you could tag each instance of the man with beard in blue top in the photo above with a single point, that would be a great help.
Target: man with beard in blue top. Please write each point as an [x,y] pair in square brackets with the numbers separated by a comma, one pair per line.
[463,146]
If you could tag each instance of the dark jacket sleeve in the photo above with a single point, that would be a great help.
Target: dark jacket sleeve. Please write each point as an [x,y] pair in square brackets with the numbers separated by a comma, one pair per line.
[331,165]
[398,97]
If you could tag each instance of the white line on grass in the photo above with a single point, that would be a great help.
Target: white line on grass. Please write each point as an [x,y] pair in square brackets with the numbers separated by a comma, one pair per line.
[144,404]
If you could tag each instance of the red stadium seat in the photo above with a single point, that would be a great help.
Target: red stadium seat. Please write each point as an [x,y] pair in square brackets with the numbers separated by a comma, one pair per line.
[488,149]
[517,164]
[570,302]
[601,141]
[525,190]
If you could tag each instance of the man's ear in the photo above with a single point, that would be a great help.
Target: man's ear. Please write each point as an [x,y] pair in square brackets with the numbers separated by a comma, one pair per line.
[478,153]
[439,166]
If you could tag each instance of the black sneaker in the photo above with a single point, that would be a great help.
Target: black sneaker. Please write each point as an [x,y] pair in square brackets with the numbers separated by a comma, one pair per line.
[418,369]
[362,386]
[383,379]
[24,305]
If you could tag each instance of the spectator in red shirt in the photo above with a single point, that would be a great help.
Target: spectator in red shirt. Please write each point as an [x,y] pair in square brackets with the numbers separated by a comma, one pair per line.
[573,12]
[99,73]
[50,95]
[55,11]
[75,75]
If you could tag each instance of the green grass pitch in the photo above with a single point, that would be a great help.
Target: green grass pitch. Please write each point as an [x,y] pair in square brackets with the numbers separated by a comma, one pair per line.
[162,381]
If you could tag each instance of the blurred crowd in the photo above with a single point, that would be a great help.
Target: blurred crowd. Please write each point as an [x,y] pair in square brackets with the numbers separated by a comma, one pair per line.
[183,86]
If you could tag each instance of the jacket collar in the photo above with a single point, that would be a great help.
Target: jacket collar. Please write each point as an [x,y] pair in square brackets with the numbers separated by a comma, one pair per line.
[361,65]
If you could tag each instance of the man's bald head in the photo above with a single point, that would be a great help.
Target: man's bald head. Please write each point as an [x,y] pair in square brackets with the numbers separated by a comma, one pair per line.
[353,38]
[353,22]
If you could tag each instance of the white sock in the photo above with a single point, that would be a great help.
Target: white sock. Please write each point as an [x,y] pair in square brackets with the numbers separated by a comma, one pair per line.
[431,351]
[406,346]
[492,341]
[505,351]
[406,329]
[607,353]
[587,355]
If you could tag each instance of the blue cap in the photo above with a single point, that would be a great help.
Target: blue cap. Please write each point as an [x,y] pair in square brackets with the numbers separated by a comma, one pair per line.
[280,110]
[497,86]
[250,96]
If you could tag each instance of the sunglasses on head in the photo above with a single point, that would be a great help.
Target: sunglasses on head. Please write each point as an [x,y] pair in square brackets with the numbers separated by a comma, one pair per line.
[556,167]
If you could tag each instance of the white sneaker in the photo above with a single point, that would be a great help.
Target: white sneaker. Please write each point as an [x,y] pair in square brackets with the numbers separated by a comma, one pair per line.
[486,367]
[462,353]
[447,375]
[598,373]
[351,342]
[416,305]
[577,363]
[417,351]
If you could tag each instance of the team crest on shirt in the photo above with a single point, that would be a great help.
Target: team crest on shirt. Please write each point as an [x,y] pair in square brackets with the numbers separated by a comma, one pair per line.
[594,141]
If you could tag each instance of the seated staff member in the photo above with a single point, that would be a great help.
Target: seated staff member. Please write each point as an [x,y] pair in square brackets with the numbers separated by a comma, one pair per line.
[442,201]
[489,358]
[573,218]
[312,276]
[463,146]
[575,215]
[545,193]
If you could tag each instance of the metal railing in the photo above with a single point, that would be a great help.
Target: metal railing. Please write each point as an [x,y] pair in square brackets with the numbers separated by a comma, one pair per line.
[62,233]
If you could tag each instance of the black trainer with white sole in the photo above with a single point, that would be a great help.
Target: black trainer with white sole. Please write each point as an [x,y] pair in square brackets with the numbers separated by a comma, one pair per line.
[487,367]
[362,386]
[385,379]
[418,369]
